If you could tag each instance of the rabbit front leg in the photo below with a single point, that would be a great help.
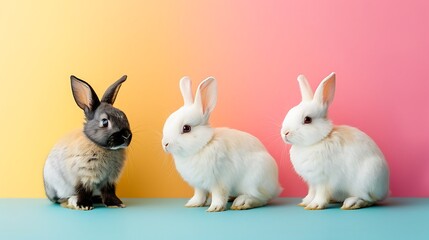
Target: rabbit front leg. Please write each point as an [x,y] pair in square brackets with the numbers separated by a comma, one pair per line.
[219,199]
[320,200]
[310,196]
[108,195]
[199,199]
[84,197]
[81,201]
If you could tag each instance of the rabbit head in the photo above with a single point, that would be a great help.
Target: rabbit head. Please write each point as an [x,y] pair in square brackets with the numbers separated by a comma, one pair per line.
[307,123]
[105,125]
[187,130]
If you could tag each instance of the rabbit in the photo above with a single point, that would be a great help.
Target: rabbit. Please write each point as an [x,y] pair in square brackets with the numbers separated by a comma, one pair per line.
[85,165]
[339,163]
[221,161]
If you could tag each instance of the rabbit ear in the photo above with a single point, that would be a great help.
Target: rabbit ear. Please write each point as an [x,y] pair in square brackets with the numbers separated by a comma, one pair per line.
[306,92]
[186,90]
[325,91]
[111,93]
[84,95]
[206,96]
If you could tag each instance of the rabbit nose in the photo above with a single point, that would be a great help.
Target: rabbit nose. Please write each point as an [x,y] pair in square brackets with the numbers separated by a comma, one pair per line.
[165,143]
[126,134]
[165,146]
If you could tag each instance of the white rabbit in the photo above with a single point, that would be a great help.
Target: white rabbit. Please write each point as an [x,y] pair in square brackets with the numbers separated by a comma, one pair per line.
[85,165]
[221,161]
[339,163]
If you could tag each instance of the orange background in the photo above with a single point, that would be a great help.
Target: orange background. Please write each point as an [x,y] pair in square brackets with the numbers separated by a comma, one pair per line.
[255,50]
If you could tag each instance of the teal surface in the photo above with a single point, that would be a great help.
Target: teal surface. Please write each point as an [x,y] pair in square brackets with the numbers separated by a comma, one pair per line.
[397,218]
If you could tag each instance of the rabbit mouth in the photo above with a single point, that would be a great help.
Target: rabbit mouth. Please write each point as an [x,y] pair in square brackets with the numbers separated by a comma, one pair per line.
[119,147]
[119,140]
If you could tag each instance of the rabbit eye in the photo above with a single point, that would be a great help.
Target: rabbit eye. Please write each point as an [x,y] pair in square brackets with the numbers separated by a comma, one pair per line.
[104,122]
[186,129]
[307,120]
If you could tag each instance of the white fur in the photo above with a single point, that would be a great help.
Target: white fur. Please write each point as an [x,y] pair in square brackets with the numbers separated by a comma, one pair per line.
[339,163]
[221,161]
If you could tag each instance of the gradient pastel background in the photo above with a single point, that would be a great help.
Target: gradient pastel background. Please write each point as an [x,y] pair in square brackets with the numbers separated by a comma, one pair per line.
[256,49]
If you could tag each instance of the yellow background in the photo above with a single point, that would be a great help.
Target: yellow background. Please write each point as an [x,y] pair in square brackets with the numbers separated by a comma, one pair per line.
[43,42]
[154,42]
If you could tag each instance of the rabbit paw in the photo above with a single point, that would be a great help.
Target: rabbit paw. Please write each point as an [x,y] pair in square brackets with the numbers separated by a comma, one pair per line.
[116,206]
[352,203]
[305,202]
[195,202]
[73,203]
[314,205]
[244,202]
[113,202]
[84,207]
[216,208]
[308,199]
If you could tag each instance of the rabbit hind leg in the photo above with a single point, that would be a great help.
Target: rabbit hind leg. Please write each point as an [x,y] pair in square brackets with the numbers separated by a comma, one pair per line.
[243,202]
[352,203]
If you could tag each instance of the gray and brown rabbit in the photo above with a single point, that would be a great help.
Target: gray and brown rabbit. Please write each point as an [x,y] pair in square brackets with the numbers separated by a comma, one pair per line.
[85,165]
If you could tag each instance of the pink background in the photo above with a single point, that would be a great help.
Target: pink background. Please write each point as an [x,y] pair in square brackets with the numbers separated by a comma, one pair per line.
[379,50]
[256,49]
